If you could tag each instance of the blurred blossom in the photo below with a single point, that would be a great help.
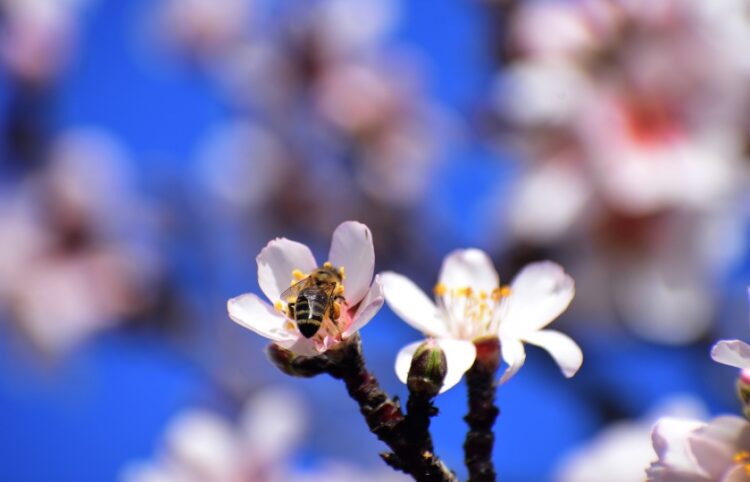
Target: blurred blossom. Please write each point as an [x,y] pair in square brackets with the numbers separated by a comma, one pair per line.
[470,304]
[79,254]
[633,118]
[324,80]
[716,451]
[36,37]
[203,29]
[334,471]
[623,449]
[242,165]
[202,446]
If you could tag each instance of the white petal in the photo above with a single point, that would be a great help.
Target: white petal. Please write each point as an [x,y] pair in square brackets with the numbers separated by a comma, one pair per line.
[714,445]
[514,356]
[352,249]
[301,346]
[737,474]
[277,261]
[469,268]
[369,306]
[734,353]
[459,356]
[254,314]
[670,440]
[539,294]
[412,305]
[564,350]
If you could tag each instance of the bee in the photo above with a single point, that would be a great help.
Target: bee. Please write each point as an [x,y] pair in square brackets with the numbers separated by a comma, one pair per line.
[314,298]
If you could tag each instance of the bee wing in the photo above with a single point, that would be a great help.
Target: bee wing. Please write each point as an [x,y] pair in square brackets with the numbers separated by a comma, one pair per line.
[294,290]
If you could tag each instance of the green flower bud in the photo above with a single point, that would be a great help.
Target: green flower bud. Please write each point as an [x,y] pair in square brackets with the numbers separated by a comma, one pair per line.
[743,391]
[428,369]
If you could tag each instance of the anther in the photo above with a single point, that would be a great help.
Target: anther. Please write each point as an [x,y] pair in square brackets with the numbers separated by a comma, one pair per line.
[439,289]
[297,275]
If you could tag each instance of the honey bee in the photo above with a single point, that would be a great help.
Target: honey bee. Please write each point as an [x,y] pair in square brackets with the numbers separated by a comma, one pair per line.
[313,298]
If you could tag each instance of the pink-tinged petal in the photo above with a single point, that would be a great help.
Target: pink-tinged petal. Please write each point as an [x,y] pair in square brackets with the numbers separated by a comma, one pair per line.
[369,306]
[469,268]
[352,249]
[254,314]
[561,347]
[302,346]
[670,439]
[737,474]
[459,356]
[277,261]
[514,356]
[539,294]
[734,353]
[715,445]
[412,305]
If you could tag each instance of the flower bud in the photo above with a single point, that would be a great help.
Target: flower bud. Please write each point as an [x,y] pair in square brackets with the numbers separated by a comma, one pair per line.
[743,391]
[428,369]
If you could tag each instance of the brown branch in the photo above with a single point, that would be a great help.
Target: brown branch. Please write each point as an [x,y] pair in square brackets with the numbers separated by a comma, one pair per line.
[382,413]
[480,439]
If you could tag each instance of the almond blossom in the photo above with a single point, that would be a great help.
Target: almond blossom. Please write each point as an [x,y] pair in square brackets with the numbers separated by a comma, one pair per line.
[283,263]
[691,451]
[471,304]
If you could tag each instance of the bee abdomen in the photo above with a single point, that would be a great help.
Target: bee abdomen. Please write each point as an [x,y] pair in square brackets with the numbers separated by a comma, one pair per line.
[309,313]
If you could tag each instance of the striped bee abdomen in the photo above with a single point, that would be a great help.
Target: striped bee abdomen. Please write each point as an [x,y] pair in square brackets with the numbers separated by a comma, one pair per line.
[309,310]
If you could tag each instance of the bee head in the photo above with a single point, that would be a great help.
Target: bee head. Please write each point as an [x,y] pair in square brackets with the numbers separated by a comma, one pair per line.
[326,275]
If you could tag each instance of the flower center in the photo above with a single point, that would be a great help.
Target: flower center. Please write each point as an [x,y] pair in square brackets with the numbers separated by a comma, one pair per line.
[317,300]
[742,458]
[470,313]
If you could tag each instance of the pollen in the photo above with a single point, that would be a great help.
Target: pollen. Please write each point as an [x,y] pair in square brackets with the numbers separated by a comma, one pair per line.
[465,291]
[297,275]
[328,265]
[279,306]
[501,292]
[289,326]
[440,289]
[742,456]
[342,274]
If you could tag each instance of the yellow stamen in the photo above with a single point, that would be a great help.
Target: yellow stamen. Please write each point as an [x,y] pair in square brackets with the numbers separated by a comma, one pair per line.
[341,273]
[466,291]
[328,265]
[339,289]
[279,306]
[289,325]
[742,456]
[440,289]
[297,275]
[505,290]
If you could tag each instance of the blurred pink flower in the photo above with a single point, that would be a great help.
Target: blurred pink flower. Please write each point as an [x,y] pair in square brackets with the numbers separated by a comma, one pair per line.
[692,451]
[471,304]
[202,446]
[623,449]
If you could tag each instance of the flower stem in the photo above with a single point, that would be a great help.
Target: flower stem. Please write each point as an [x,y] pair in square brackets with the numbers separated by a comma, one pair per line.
[386,420]
[419,410]
[407,437]
[482,414]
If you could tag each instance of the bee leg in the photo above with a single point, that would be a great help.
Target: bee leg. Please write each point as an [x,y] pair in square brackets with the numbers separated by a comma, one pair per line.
[290,310]
[335,311]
